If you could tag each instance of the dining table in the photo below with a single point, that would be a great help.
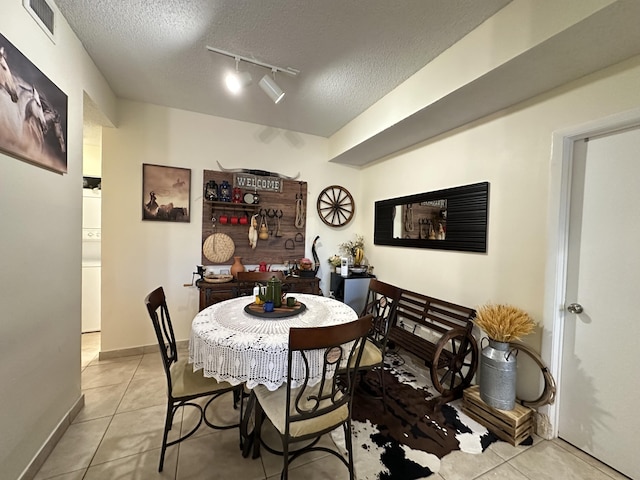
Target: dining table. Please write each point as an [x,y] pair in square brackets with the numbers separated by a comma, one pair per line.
[235,342]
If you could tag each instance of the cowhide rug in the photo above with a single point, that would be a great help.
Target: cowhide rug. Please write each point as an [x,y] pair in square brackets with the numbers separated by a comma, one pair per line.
[407,440]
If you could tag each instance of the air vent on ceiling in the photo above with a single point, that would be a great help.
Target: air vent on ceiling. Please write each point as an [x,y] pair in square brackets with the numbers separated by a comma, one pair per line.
[43,14]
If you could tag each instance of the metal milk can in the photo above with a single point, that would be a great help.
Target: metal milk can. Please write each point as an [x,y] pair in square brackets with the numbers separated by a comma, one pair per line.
[498,375]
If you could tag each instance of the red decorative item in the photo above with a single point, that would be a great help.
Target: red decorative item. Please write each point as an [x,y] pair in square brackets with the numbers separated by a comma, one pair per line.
[236,196]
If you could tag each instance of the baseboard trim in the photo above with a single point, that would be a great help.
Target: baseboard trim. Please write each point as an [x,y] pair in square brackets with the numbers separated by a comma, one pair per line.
[50,443]
[129,352]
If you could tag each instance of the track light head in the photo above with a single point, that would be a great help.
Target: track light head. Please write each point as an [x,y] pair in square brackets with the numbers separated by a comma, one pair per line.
[271,88]
[236,81]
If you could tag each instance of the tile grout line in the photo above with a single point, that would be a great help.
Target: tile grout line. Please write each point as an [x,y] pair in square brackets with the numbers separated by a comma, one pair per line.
[111,419]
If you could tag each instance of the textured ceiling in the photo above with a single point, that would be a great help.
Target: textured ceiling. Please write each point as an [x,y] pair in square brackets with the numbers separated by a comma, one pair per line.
[350,52]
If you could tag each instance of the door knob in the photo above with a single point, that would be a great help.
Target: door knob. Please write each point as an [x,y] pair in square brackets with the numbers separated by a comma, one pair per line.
[575,308]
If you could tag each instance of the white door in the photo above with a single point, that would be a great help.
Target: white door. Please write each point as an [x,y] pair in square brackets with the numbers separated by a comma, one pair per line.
[600,377]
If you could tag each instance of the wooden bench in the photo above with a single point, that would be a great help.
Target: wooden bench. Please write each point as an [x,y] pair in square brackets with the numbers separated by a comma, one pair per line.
[439,333]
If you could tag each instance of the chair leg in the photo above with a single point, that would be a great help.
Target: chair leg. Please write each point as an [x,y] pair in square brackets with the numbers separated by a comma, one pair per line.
[348,443]
[241,416]
[257,427]
[168,422]
[285,459]
[384,396]
[237,397]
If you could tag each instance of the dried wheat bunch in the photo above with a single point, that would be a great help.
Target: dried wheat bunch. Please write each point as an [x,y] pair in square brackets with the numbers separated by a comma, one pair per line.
[504,323]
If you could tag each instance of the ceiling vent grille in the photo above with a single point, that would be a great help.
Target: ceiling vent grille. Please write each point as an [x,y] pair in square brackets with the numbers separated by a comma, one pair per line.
[43,14]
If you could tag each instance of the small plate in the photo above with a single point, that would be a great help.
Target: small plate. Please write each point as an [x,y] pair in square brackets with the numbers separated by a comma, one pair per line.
[248,198]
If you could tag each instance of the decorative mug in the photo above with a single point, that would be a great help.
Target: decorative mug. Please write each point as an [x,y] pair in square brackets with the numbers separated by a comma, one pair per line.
[243,220]
[268,307]
[223,219]
[291,301]
[234,220]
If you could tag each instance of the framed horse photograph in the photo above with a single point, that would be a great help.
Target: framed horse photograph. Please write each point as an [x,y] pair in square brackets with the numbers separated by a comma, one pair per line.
[33,112]
[166,193]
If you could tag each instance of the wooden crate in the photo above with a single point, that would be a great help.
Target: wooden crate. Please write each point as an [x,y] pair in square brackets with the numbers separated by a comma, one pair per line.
[513,426]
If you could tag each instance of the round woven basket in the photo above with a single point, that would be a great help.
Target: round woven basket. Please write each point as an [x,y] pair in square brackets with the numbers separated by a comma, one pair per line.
[218,247]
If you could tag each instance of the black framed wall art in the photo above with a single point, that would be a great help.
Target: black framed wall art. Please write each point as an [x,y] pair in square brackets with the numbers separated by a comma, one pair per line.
[166,193]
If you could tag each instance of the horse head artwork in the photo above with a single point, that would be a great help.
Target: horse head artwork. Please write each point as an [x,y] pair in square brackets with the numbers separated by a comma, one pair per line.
[52,121]
[33,111]
[6,78]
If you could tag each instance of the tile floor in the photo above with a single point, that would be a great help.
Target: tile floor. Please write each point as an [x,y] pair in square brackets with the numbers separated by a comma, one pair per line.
[119,432]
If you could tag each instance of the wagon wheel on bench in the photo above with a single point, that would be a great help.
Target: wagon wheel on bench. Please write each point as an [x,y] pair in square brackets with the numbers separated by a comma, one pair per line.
[454,362]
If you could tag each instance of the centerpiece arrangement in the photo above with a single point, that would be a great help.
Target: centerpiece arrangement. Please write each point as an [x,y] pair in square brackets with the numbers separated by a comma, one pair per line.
[502,324]
[354,251]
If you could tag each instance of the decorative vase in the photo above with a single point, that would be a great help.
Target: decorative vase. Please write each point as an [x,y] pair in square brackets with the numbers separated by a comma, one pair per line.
[498,375]
[237,266]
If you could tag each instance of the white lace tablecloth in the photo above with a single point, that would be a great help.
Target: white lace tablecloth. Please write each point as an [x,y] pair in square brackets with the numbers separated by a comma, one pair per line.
[233,346]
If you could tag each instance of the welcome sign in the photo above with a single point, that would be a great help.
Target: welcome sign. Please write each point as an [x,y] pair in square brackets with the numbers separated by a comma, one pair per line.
[247,181]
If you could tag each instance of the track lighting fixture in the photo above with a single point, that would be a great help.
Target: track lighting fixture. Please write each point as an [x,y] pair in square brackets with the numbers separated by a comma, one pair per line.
[271,88]
[238,80]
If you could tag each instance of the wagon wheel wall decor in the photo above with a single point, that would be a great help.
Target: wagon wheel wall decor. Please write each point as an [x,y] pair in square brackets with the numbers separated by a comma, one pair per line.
[335,206]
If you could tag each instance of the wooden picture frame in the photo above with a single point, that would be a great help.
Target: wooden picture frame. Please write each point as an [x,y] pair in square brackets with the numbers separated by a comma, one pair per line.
[166,193]
[33,112]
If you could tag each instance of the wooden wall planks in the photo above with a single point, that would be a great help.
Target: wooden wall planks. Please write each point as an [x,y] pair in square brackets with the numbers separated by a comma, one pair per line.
[290,246]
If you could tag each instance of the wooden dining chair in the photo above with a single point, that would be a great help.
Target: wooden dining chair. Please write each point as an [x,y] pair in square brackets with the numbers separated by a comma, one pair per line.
[248,280]
[183,384]
[302,409]
[381,304]
[259,276]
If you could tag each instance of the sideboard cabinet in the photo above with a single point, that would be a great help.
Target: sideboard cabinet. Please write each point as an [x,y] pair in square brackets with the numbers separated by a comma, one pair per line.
[211,293]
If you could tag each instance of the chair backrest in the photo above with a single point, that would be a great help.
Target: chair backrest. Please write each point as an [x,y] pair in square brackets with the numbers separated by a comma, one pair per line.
[259,276]
[156,304]
[322,351]
[248,280]
[382,301]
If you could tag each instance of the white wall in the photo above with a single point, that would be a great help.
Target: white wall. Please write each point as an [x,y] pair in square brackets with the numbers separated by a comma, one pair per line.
[138,256]
[40,263]
[512,151]
[92,160]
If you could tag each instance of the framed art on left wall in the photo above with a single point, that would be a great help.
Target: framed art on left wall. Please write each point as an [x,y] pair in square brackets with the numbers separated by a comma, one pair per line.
[33,112]
[166,193]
